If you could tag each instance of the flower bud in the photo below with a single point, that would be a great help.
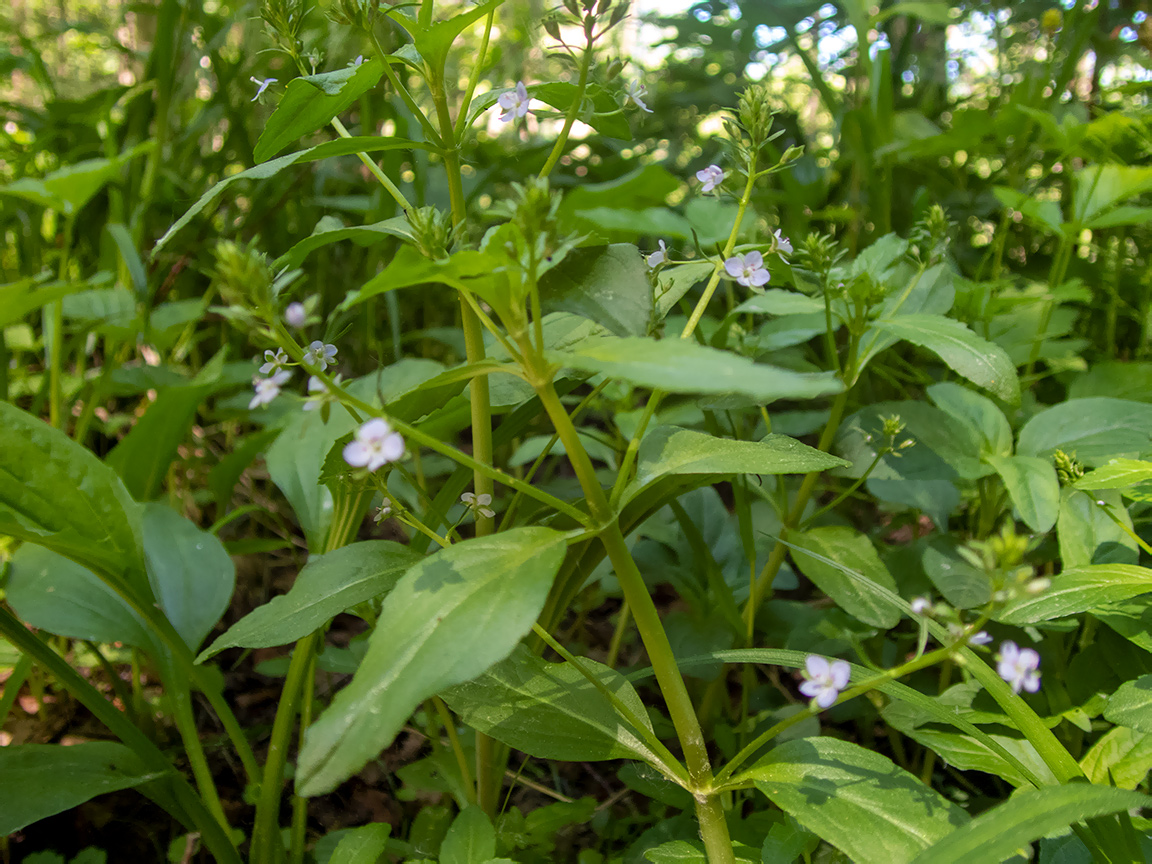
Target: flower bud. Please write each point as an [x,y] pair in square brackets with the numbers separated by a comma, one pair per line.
[243,274]
[755,113]
[1068,470]
[432,231]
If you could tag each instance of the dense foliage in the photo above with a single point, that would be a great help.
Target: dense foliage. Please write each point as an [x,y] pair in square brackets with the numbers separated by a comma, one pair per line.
[700,434]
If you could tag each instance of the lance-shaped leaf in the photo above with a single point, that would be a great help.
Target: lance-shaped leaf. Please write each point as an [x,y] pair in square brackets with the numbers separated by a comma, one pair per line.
[681,366]
[330,230]
[311,102]
[857,800]
[326,586]
[1077,590]
[980,361]
[844,565]
[449,618]
[1030,814]
[41,780]
[551,710]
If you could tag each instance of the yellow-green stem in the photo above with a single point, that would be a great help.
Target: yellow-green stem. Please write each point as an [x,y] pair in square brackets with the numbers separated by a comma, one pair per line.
[55,321]
[570,118]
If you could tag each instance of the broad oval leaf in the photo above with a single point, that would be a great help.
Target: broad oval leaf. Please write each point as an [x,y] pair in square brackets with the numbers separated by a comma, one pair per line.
[1033,487]
[844,565]
[1028,815]
[980,361]
[608,284]
[681,366]
[855,799]
[551,711]
[55,594]
[470,840]
[326,586]
[1120,758]
[1077,590]
[311,102]
[56,493]
[190,573]
[363,845]
[448,619]
[1096,429]
[1131,704]
[41,780]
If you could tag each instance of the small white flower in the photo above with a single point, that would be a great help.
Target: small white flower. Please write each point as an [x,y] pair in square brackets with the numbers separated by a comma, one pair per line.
[479,503]
[382,513]
[296,315]
[273,360]
[979,638]
[711,177]
[268,389]
[659,256]
[514,102]
[318,393]
[262,85]
[1019,667]
[824,680]
[635,93]
[783,245]
[356,63]
[375,446]
[320,355]
[921,606]
[748,269]
[1038,585]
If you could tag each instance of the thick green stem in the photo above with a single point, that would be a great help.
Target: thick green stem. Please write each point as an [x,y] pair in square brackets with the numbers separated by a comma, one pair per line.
[54,319]
[194,750]
[300,803]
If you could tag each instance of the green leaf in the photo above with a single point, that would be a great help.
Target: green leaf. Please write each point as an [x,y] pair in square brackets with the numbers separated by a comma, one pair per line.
[1027,816]
[1096,188]
[551,711]
[56,493]
[692,852]
[41,780]
[328,585]
[836,549]
[978,413]
[310,103]
[448,619]
[143,456]
[672,451]
[1076,590]
[1096,430]
[470,840]
[122,237]
[1088,535]
[363,845]
[681,366]
[339,147]
[330,230]
[68,189]
[17,299]
[1033,487]
[982,362]
[777,301]
[434,42]
[605,116]
[1131,704]
[962,585]
[607,284]
[58,595]
[1117,474]
[295,460]
[191,575]
[467,270]
[1120,758]
[1044,214]
[855,799]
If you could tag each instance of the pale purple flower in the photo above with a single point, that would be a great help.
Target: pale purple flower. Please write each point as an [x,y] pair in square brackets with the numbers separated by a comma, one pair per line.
[980,637]
[262,85]
[268,389]
[824,680]
[711,177]
[921,606]
[318,393]
[514,102]
[296,315]
[355,64]
[658,257]
[1019,667]
[320,355]
[479,503]
[273,360]
[375,445]
[636,92]
[748,269]
[384,511]
[783,245]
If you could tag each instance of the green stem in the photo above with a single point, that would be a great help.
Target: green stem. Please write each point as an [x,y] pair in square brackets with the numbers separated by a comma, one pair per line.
[1055,279]
[573,110]
[403,93]
[184,803]
[299,803]
[55,321]
[194,751]
[474,78]
[449,724]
